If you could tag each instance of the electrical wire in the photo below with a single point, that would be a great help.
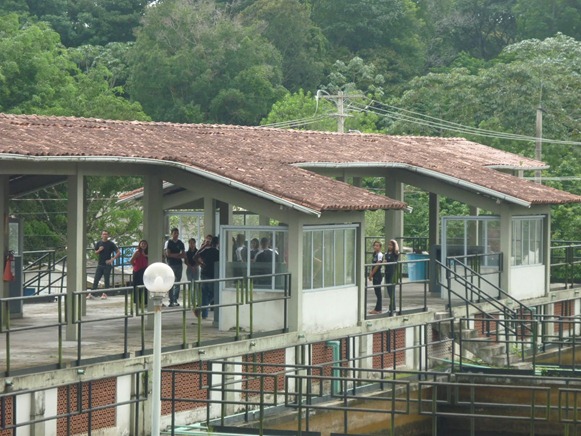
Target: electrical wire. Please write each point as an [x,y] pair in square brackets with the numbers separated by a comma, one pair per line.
[298,122]
[429,121]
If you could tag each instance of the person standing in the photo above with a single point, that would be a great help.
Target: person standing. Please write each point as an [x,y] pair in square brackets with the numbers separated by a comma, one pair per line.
[375,276]
[391,257]
[175,253]
[192,268]
[107,253]
[139,261]
[208,259]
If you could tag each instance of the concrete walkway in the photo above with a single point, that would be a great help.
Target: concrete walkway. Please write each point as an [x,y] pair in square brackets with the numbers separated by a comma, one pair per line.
[34,338]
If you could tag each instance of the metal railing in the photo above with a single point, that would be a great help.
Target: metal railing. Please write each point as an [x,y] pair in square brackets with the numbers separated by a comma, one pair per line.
[121,330]
[81,405]
[566,263]
[44,273]
[380,385]
[330,396]
[405,303]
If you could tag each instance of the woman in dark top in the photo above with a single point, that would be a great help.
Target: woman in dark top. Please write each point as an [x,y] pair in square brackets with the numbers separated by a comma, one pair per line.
[375,276]
[390,258]
[139,262]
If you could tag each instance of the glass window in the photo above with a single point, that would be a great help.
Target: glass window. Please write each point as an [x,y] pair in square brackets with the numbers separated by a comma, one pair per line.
[527,241]
[340,259]
[329,256]
[255,251]
[307,260]
[317,255]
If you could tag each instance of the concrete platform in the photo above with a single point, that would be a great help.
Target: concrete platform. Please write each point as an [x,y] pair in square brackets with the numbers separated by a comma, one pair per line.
[33,339]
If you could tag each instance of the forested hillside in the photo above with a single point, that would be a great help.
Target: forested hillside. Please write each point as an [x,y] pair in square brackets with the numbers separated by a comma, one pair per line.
[473,68]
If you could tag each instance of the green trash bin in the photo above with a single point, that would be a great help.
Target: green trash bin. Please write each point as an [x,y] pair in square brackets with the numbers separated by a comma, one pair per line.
[418,271]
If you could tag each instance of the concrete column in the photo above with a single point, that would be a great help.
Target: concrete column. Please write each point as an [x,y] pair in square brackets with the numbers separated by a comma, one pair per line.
[226,213]
[506,246]
[37,412]
[76,249]
[233,382]
[153,217]
[209,216]
[295,268]
[4,209]
[394,218]
[547,251]
[357,181]
[124,393]
[434,220]
[153,225]
[361,277]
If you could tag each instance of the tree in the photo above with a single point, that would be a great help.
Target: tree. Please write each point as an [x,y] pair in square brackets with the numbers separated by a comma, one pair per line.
[35,73]
[44,213]
[302,106]
[193,63]
[481,28]
[385,32]
[38,76]
[544,18]
[503,97]
[288,26]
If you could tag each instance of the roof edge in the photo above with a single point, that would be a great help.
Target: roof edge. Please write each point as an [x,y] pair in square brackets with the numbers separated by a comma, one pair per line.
[423,171]
[168,163]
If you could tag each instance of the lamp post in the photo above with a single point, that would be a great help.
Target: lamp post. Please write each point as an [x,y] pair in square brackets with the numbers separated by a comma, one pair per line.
[158,278]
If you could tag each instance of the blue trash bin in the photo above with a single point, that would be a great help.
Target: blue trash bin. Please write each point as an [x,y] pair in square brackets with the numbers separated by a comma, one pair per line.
[418,271]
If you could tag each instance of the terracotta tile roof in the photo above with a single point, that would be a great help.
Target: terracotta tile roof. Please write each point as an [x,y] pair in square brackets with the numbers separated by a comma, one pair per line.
[275,162]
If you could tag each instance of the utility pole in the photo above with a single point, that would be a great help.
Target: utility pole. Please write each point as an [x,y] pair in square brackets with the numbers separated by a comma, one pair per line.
[339,100]
[539,141]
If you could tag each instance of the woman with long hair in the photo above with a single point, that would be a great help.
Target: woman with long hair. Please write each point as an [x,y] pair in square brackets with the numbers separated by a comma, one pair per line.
[390,258]
[139,262]
[376,277]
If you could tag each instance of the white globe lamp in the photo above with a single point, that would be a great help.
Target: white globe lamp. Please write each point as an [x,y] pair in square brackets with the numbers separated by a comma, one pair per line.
[158,278]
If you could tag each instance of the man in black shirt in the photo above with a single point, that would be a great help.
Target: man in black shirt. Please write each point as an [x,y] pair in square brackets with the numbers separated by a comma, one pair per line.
[175,253]
[107,252]
[209,258]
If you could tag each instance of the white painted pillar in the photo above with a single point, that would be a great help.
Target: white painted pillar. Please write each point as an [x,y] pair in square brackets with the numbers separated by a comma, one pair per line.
[153,225]
[76,249]
[124,391]
[153,217]
[295,268]
[4,209]
[38,412]
[394,218]
[547,251]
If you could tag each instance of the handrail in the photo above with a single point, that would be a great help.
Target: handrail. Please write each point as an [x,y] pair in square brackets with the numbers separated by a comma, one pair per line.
[454,261]
[568,257]
[510,316]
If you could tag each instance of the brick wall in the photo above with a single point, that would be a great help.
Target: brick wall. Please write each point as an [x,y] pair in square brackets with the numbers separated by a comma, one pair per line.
[188,386]
[93,394]
[384,349]
[251,383]
[7,418]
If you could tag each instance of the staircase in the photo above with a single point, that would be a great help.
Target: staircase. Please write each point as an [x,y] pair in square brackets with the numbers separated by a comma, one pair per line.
[490,333]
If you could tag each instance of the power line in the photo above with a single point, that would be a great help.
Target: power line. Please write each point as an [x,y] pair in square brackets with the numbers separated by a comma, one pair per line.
[427,120]
[405,115]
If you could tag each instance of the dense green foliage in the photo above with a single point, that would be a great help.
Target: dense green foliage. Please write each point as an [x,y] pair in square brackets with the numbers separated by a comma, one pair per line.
[484,64]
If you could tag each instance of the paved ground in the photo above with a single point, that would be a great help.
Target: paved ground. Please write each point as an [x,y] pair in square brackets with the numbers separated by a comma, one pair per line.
[33,338]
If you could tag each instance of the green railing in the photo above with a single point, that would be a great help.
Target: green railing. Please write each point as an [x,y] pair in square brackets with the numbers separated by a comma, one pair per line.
[125,322]
[566,263]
